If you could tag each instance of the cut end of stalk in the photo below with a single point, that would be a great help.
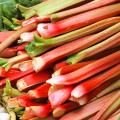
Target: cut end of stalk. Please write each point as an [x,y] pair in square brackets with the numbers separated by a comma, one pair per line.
[21,85]
[38,64]
[78,92]
[55,80]
[58,112]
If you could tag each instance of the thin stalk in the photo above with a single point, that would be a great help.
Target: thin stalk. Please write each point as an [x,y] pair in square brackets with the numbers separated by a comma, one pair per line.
[110,107]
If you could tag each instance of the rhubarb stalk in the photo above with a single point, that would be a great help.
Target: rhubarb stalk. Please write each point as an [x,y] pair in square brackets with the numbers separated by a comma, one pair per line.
[64,108]
[93,50]
[36,47]
[33,79]
[44,60]
[86,7]
[87,71]
[6,43]
[47,7]
[48,30]
[70,68]
[86,111]
[110,107]
[110,88]
[60,96]
[89,85]
[40,92]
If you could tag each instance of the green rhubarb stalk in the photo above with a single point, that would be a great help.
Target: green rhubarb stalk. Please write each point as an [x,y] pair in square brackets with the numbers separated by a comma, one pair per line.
[8,63]
[33,49]
[110,107]
[112,87]
[47,7]
[93,50]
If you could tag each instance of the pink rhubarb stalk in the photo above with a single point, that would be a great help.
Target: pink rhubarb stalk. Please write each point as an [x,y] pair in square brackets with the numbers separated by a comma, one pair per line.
[60,96]
[86,71]
[48,30]
[89,85]
[110,107]
[86,111]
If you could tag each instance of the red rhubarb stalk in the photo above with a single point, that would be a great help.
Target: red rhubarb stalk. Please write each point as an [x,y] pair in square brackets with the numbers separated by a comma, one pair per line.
[6,43]
[86,7]
[86,111]
[64,108]
[13,76]
[21,47]
[60,65]
[110,107]
[70,68]
[89,85]
[110,88]
[48,30]
[21,101]
[60,96]
[33,79]
[46,59]
[87,71]
[92,95]
[40,92]
[28,114]
[42,110]
[8,52]
[5,35]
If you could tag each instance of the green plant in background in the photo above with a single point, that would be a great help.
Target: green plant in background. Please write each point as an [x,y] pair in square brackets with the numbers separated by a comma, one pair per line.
[8,10]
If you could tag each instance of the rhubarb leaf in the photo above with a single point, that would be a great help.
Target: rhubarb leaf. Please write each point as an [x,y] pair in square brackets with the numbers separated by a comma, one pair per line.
[10,91]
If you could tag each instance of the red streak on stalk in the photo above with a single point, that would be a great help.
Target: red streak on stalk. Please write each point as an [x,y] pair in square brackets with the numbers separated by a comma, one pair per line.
[47,30]
[40,92]
[89,85]
[60,96]
[87,71]
[33,79]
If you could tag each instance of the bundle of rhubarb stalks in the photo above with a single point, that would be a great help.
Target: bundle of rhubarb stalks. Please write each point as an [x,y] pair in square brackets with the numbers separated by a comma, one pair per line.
[63,62]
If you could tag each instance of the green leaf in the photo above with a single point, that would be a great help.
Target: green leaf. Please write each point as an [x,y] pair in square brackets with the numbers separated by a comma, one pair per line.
[10,91]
